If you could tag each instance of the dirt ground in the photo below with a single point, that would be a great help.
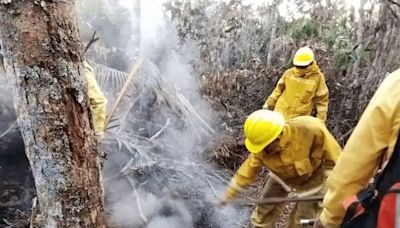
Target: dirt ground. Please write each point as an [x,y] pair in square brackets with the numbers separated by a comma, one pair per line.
[16,183]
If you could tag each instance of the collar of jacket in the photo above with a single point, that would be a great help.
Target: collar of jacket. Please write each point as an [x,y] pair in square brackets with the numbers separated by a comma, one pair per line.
[312,69]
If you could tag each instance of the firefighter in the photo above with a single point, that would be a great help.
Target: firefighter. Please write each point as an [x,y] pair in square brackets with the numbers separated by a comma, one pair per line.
[300,89]
[372,141]
[97,102]
[295,151]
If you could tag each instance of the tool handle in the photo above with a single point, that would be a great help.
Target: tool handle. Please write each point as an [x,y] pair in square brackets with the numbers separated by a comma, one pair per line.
[277,200]
[307,221]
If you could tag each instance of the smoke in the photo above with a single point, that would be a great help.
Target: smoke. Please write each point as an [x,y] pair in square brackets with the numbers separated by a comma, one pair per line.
[156,173]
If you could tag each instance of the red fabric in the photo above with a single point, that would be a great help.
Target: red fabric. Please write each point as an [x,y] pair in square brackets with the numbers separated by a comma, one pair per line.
[387,211]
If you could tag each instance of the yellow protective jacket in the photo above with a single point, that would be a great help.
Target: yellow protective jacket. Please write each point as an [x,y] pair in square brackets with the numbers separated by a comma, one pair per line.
[97,100]
[299,91]
[373,138]
[304,145]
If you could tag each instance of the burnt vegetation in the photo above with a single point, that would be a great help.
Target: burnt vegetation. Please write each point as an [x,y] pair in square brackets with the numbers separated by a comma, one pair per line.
[163,141]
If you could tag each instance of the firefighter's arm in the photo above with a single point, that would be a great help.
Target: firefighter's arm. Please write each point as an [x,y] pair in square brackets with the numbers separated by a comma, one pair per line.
[322,99]
[246,175]
[276,93]
[362,154]
[331,149]
[97,101]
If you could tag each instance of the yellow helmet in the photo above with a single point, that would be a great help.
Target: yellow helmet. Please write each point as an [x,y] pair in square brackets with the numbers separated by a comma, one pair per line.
[303,57]
[261,128]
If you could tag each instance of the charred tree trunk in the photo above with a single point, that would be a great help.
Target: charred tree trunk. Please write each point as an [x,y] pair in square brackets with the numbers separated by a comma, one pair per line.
[44,58]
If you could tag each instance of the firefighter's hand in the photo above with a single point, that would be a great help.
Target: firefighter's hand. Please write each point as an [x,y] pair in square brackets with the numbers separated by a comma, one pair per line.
[99,136]
[318,224]
[222,201]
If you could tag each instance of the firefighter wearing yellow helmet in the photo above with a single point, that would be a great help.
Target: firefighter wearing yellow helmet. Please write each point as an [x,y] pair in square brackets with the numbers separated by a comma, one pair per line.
[296,152]
[301,89]
[97,102]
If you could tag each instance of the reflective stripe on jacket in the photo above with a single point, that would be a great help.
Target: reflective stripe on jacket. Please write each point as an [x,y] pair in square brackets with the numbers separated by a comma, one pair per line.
[304,145]
[374,136]
[97,100]
[299,91]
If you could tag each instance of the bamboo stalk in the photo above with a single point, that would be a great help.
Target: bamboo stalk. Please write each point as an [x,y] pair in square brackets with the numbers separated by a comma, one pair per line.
[133,73]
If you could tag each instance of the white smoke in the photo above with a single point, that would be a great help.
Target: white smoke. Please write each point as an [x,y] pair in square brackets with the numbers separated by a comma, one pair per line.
[156,175]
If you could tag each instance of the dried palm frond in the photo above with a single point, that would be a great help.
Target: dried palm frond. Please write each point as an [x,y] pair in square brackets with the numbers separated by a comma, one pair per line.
[109,78]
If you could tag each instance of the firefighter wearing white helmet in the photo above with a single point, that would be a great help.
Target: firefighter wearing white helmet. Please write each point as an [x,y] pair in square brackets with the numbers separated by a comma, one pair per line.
[295,152]
[301,89]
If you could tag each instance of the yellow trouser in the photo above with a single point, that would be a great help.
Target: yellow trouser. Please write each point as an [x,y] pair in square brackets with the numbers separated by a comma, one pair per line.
[266,215]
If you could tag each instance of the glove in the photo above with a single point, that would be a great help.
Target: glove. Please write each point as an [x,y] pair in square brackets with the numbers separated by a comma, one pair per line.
[318,224]
[222,201]
[229,195]
[99,136]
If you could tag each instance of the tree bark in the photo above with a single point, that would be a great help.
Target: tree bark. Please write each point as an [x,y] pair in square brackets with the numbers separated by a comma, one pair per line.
[360,39]
[44,58]
[384,44]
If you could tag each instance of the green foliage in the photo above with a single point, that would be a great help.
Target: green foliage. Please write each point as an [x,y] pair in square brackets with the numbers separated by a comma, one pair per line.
[338,39]
[303,29]
[341,46]
[342,59]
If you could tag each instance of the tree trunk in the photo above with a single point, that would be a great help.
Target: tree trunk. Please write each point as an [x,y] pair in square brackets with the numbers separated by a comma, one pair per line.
[384,44]
[44,59]
[360,38]
[273,36]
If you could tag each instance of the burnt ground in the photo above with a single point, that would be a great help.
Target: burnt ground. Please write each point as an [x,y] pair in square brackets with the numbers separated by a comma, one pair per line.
[16,182]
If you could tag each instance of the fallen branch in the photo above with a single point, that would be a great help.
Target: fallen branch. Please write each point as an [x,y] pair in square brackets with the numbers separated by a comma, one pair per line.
[139,205]
[126,166]
[33,215]
[161,130]
[211,187]
[7,222]
[191,109]
[143,166]
[8,130]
